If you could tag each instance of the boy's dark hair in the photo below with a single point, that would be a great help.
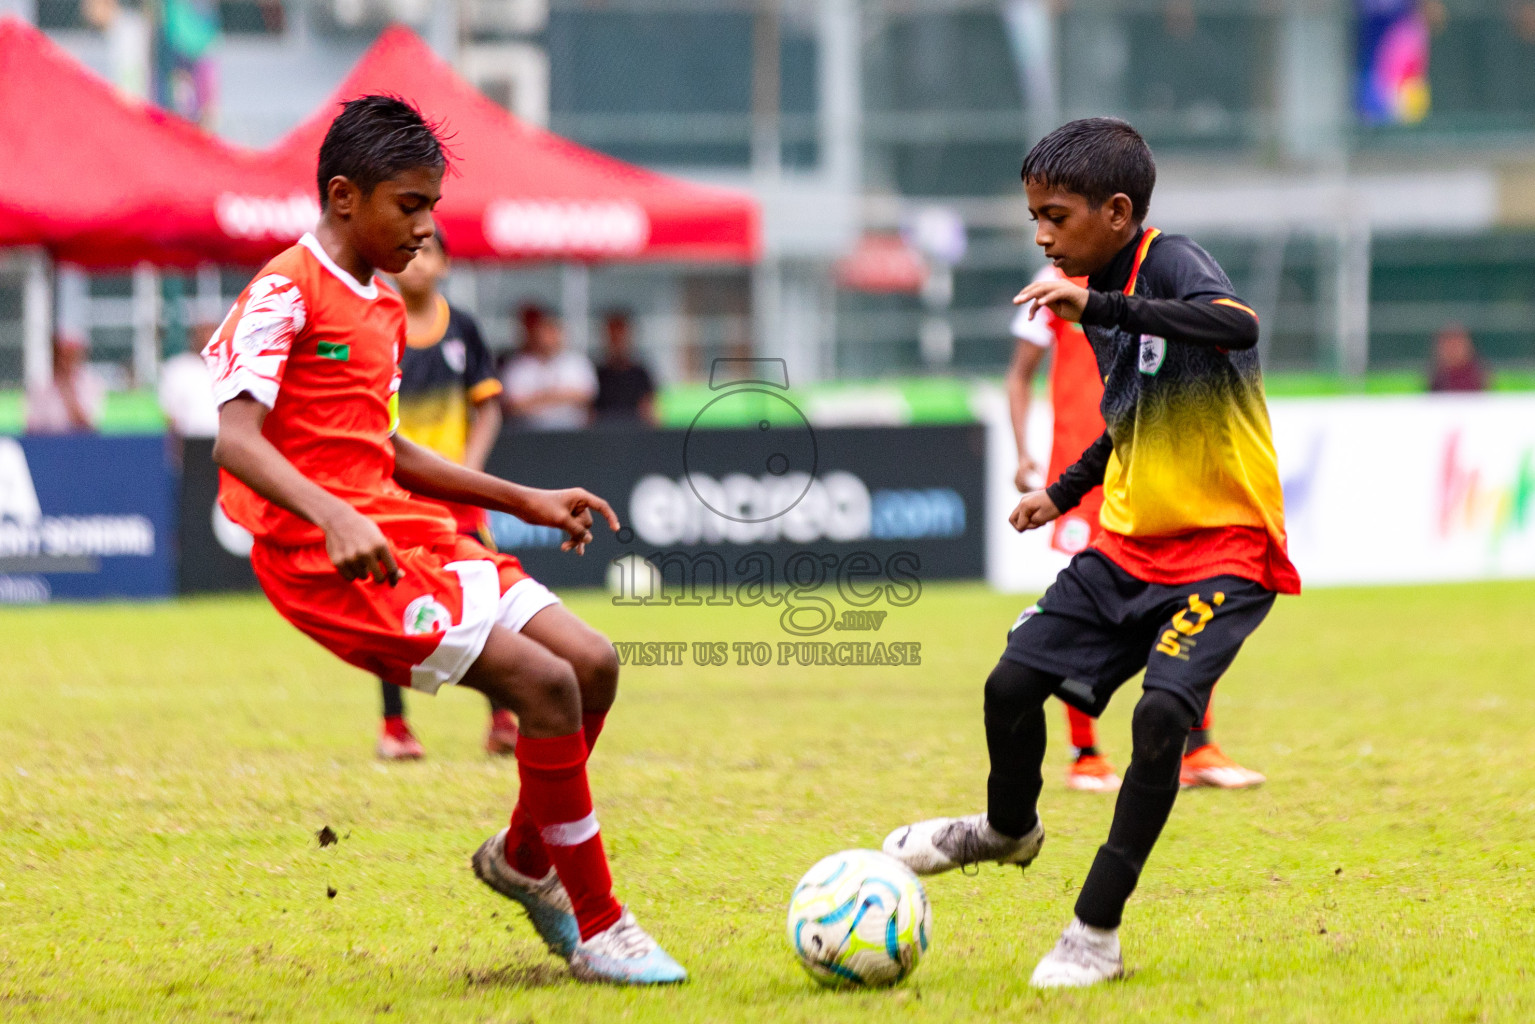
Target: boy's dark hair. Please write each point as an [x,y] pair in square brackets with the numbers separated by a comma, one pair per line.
[1095,158]
[375,138]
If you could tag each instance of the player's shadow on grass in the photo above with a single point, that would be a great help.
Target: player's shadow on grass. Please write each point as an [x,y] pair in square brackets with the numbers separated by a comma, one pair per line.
[522,976]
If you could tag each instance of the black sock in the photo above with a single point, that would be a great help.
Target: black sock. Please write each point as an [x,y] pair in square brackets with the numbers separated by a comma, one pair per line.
[1015,738]
[1197,738]
[394,700]
[1145,801]
[1086,752]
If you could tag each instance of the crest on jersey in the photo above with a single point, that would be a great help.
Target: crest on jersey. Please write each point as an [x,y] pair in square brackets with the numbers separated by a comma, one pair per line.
[454,355]
[1072,534]
[1153,353]
[426,615]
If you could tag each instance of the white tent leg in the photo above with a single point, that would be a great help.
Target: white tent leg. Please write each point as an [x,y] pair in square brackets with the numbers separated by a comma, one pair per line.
[37,321]
[576,306]
[146,325]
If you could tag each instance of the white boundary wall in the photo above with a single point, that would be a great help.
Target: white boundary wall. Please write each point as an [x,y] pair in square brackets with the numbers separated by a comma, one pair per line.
[1398,489]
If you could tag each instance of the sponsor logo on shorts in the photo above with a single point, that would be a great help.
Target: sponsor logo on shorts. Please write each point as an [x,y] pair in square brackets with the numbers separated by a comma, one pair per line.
[1179,641]
[426,615]
[1027,614]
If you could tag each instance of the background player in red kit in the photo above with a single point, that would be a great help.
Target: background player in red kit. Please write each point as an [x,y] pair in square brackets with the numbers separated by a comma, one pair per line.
[306,370]
[1076,392]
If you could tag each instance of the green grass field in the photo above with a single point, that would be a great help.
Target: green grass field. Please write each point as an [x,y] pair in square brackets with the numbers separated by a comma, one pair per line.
[164,769]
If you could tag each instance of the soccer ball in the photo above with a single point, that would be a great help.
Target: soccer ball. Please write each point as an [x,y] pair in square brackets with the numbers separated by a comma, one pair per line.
[859,919]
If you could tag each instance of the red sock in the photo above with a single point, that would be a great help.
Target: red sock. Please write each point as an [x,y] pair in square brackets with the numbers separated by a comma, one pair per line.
[524,846]
[557,798]
[591,725]
[395,727]
[1083,735]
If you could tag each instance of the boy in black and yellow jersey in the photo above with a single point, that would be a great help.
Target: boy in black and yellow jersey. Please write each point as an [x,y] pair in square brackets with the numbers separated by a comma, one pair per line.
[1193,547]
[449,402]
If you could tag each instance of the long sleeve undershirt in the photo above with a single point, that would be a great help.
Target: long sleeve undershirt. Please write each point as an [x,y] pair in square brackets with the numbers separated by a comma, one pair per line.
[1081,476]
[1191,321]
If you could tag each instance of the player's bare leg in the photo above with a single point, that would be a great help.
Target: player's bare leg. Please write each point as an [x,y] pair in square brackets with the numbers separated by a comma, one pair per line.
[595,664]
[516,671]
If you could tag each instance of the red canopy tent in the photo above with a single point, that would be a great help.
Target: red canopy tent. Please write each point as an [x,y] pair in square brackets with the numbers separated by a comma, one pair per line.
[518,192]
[103,180]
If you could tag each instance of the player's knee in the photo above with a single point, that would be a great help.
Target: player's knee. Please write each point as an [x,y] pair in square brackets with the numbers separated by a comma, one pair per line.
[1014,687]
[597,671]
[1159,727]
[550,701]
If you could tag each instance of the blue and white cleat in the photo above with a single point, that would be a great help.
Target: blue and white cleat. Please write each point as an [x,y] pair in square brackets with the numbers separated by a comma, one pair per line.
[545,899]
[625,955]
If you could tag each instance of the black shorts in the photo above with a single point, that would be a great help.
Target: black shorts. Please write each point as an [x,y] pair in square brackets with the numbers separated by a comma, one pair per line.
[1097,626]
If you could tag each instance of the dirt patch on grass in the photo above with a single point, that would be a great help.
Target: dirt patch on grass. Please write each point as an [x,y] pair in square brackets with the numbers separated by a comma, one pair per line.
[521,976]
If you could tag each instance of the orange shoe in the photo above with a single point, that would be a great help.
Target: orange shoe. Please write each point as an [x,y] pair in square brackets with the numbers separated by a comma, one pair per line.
[399,745]
[1092,773]
[1208,766]
[503,734]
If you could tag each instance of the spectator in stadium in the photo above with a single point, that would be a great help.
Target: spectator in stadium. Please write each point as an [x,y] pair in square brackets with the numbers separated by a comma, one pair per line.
[547,386]
[625,390]
[73,399]
[1456,366]
[186,387]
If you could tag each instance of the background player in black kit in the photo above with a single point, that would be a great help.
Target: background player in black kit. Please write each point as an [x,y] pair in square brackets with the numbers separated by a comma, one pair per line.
[450,403]
[1193,548]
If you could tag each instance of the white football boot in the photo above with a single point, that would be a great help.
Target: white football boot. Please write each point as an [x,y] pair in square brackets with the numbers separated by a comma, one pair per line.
[545,899]
[625,954]
[1083,956]
[942,844]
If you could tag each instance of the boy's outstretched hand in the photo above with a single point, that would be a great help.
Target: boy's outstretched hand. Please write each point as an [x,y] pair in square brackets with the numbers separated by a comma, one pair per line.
[570,510]
[358,549]
[1064,299]
[1035,509]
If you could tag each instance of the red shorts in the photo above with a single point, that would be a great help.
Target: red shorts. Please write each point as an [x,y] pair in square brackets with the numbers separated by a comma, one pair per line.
[423,632]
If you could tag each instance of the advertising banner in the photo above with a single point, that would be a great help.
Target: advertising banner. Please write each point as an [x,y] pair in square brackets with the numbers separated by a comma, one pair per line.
[1392,489]
[215,553]
[85,517]
[777,498]
[907,497]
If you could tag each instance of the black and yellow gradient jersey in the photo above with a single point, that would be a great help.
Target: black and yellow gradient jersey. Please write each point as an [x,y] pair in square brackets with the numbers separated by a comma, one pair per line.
[444,373]
[1190,478]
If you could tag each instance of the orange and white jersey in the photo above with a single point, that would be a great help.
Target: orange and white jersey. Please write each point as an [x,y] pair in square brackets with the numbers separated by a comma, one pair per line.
[321,351]
[1076,386]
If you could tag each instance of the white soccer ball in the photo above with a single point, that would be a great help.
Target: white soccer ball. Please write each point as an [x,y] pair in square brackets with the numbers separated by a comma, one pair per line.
[859,919]
[633,577]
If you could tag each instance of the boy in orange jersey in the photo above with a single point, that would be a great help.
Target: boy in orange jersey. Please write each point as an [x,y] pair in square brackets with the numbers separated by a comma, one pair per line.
[1076,389]
[306,370]
[1192,553]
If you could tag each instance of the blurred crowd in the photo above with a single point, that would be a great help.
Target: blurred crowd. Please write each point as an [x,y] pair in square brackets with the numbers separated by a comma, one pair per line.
[545,384]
